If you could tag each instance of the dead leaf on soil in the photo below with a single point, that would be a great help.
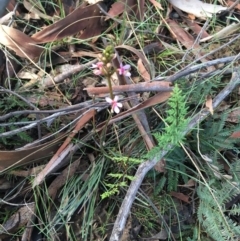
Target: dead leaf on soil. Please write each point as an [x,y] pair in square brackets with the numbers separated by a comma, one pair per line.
[86,20]
[142,71]
[18,220]
[190,183]
[183,36]
[180,196]
[223,33]
[116,9]
[209,104]
[6,17]
[197,8]
[234,115]
[9,159]
[230,3]
[160,166]
[197,29]
[52,99]
[235,135]
[11,6]
[156,4]
[188,41]
[134,8]
[32,8]
[20,43]
[92,1]
[61,179]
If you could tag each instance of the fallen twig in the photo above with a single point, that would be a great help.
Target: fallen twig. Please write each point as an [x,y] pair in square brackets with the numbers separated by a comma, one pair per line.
[2,89]
[192,69]
[149,164]
[198,59]
[48,82]
[78,107]
[140,87]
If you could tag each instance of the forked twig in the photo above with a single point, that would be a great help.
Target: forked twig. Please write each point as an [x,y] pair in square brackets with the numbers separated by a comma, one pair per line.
[149,164]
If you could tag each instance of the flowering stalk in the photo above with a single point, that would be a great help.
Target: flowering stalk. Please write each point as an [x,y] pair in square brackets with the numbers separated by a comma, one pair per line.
[104,67]
[110,86]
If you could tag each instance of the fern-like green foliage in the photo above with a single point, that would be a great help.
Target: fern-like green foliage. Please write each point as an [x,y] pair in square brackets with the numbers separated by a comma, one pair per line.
[175,123]
[201,89]
[115,181]
[127,160]
[177,172]
[218,225]
[215,134]
[21,137]
[8,104]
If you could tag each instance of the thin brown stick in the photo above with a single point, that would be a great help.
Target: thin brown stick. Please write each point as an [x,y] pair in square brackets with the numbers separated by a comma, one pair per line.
[140,87]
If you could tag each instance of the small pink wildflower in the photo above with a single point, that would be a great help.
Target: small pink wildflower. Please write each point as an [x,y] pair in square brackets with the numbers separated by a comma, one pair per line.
[115,105]
[123,70]
[97,68]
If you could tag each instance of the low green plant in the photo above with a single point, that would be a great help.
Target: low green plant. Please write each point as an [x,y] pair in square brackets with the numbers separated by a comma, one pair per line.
[115,181]
[215,222]
[175,123]
[8,104]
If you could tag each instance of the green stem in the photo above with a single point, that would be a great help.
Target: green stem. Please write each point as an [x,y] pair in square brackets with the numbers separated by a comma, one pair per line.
[110,86]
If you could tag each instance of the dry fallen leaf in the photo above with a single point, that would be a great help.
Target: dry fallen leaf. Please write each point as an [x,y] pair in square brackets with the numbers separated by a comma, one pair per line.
[156,4]
[60,180]
[209,104]
[18,220]
[20,43]
[197,29]
[190,183]
[9,159]
[92,1]
[223,33]
[197,8]
[142,70]
[32,8]
[235,135]
[6,17]
[160,166]
[116,9]
[180,196]
[230,3]
[85,20]
[233,116]
[186,39]
[134,8]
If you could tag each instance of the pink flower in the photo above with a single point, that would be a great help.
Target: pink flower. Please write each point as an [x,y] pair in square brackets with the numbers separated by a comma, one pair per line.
[97,68]
[123,70]
[115,105]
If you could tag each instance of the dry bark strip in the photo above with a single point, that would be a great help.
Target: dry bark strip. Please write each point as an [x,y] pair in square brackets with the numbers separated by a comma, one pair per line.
[139,87]
[149,164]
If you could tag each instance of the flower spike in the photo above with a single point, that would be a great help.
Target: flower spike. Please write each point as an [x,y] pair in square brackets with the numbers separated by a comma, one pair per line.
[114,104]
[123,70]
